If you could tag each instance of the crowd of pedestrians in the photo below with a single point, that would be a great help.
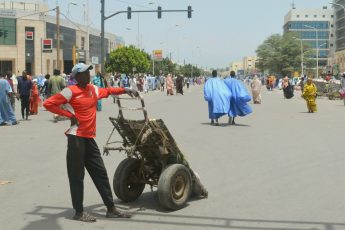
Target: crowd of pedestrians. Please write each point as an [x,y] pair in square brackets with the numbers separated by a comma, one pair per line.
[32,91]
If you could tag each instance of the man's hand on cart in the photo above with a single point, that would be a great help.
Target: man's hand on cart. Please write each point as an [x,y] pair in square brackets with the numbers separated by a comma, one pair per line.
[132,92]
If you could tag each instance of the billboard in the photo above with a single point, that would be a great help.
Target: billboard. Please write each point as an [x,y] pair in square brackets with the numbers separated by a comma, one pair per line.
[158,55]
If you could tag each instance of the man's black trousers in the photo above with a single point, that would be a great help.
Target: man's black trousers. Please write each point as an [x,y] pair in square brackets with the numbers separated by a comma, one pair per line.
[25,105]
[84,153]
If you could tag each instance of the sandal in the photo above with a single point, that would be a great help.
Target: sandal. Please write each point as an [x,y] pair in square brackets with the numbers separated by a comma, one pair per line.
[84,216]
[117,214]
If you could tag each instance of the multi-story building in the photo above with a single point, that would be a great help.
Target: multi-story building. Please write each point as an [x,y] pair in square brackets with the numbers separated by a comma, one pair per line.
[339,57]
[237,67]
[28,40]
[315,27]
[244,67]
[249,64]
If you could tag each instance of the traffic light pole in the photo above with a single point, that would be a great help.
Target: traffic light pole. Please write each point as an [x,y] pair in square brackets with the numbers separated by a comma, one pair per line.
[103,18]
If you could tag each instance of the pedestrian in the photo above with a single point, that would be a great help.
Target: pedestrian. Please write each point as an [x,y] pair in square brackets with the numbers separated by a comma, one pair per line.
[12,95]
[98,81]
[309,94]
[239,98]
[301,83]
[34,98]
[82,150]
[218,97]
[24,90]
[179,84]
[162,81]
[256,90]
[133,83]
[342,90]
[287,88]
[6,112]
[55,85]
[170,85]
[45,90]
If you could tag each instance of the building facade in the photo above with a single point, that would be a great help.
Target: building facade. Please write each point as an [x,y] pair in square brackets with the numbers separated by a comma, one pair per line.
[316,28]
[28,40]
[249,64]
[339,57]
[245,67]
[237,67]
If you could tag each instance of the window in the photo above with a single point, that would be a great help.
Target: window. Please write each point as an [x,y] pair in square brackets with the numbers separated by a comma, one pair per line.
[297,15]
[7,31]
[323,16]
[82,43]
[315,16]
[332,16]
[306,15]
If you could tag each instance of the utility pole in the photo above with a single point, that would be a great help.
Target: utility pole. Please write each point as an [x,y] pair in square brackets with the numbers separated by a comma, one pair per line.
[102,38]
[58,38]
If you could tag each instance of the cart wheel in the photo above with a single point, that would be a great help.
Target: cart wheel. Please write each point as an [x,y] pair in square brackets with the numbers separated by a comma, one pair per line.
[126,182]
[174,186]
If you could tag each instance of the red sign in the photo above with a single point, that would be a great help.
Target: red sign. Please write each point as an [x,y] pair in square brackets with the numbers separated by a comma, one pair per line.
[29,35]
[47,44]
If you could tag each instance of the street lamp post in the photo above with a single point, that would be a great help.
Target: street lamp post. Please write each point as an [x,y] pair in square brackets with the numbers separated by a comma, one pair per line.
[302,56]
[317,49]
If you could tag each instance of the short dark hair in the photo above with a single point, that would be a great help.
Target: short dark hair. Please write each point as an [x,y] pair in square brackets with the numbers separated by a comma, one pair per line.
[9,74]
[214,73]
[232,73]
[56,72]
[47,76]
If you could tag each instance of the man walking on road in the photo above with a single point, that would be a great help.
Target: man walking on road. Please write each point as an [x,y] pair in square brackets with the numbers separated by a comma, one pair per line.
[82,150]
[55,85]
[24,90]
[218,96]
[6,112]
[239,98]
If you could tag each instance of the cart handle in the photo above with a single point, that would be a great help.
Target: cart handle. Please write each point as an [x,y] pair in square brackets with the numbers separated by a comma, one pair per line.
[121,108]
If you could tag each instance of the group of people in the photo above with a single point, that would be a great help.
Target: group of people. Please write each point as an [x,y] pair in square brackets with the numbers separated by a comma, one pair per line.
[226,97]
[22,88]
[146,83]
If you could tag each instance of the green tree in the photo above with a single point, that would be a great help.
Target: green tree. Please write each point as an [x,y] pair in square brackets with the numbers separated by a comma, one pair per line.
[165,66]
[282,54]
[128,60]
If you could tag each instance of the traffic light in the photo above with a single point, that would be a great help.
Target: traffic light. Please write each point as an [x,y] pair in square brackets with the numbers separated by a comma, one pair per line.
[159,12]
[189,11]
[129,12]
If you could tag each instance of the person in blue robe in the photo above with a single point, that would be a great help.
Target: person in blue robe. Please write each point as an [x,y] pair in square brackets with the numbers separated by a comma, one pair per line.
[6,112]
[218,96]
[98,81]
[239,98]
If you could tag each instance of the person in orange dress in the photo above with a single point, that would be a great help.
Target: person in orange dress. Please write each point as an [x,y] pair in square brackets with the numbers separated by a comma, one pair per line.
[34,99]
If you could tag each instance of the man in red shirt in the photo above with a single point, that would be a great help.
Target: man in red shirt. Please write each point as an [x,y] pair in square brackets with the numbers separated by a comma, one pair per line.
[82,151]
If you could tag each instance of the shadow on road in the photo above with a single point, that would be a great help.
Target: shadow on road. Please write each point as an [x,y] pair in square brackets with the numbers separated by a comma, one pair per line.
[224,125]
[51,216]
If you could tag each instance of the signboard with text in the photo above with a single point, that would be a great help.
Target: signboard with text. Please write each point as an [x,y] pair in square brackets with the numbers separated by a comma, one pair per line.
[158,55]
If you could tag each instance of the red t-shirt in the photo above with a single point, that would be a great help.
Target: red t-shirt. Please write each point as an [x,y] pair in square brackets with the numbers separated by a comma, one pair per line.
[81,103]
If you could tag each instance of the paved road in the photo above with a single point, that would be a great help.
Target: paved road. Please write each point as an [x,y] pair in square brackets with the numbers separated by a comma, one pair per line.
[279,168]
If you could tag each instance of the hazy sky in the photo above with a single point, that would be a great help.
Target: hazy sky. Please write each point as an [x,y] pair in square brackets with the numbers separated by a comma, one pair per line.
[219,32]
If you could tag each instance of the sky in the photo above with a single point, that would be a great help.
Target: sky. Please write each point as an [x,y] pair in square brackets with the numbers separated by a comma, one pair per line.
[219,32]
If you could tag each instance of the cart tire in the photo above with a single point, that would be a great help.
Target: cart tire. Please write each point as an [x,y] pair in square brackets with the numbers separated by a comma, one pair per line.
[174,186]
[126,182]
